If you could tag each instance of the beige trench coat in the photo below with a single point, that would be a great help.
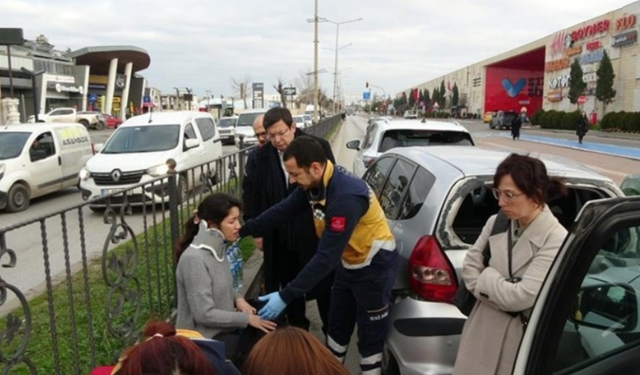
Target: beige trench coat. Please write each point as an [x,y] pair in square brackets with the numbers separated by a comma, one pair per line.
[491,337]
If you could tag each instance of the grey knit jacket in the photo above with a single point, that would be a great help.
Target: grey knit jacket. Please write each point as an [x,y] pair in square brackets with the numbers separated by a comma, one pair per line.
[206,299]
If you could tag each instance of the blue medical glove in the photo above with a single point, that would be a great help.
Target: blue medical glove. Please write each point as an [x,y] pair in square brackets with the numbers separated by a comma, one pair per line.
[274,307]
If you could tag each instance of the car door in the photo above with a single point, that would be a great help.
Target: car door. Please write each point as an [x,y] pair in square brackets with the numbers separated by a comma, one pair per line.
[45,164]
[586,320]
[212,145]
[359,165]
[63,115]
[194,156]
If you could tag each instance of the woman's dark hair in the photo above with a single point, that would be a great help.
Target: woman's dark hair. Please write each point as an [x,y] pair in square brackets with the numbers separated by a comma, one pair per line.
[164,353]
[291,351]
[530,175]
[212,209]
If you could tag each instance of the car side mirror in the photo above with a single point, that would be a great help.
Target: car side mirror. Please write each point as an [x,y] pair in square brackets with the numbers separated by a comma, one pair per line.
[98,147]
[354,145]
[191,143]
[611,307]
[631,185]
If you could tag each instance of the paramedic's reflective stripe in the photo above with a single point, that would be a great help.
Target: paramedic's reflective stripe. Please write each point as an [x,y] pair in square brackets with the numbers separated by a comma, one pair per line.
[339,351]
[376,246]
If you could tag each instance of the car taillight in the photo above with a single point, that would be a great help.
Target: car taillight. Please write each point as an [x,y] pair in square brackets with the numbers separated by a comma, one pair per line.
[93,149]
[430,274]
[368,160]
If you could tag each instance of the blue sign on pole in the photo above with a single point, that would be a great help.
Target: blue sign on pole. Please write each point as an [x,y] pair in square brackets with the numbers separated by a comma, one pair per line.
[93,98]
[146,99]
[366,95]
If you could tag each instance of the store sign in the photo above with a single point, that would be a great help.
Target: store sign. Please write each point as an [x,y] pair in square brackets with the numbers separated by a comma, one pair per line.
[60,78]
[592,57]
[559,82]
[626,22]
[64,87]
[554,96]
[555,65]
[592,46]
[594,29]
[574,51]
[590,77]
[121,80]
[625,39]
[560,42]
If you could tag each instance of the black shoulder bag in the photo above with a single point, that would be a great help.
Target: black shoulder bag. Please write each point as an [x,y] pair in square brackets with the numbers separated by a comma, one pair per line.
[464,300]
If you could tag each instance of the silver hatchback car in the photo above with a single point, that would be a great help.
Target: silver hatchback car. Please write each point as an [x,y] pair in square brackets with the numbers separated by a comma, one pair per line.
[437,200]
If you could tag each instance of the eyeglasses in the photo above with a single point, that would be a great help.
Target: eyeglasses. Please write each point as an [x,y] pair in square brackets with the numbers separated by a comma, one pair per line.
[278,134]
[508,195]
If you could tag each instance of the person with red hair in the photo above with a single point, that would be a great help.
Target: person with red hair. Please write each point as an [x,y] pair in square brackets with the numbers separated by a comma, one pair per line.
[167,351]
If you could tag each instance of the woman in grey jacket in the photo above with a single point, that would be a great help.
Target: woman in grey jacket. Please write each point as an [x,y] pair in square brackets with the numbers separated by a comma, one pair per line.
[521,256]
[207,302]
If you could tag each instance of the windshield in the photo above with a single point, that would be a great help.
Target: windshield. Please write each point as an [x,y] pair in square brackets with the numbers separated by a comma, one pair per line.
[12,143]
[411,137]
[226,122]
[247,119]
[150,138]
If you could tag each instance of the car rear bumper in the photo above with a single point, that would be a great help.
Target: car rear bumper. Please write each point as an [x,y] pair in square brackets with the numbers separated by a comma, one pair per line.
[424,336]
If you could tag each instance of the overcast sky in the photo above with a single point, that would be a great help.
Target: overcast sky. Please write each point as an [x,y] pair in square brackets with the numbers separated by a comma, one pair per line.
[203,44]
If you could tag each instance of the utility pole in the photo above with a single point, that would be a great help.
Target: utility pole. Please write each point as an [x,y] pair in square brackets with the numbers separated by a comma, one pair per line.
[315,64]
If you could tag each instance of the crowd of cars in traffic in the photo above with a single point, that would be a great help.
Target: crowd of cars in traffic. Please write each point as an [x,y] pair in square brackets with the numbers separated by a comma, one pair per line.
[436,195]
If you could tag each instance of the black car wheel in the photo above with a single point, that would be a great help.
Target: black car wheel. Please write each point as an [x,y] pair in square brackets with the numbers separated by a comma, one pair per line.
[18,198]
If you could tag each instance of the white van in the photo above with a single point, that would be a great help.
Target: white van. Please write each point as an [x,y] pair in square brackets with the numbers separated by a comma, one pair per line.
[138,150]
[40,159]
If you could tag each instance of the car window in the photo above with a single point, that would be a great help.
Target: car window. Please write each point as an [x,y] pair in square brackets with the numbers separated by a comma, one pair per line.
[395,187]
[368,138]
[206,127]
[416,194]
[376,175]
[474,211]
[417,137]
[65,112]
[42,147]
[604,313]
[189,133]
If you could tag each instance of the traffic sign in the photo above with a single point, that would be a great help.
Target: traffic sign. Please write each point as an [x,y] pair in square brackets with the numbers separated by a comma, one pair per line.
[146,99]
[93,98]
[289,91]
[366,95]
[582,99]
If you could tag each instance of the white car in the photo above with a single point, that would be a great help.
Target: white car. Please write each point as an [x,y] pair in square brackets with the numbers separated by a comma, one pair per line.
[138,150]
[244,127]
[227,128]
[308,120]
[299,121]
[383,135]
[38,159]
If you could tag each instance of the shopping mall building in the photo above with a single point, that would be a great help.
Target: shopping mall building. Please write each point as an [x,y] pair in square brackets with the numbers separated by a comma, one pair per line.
[536,75]
[102,78]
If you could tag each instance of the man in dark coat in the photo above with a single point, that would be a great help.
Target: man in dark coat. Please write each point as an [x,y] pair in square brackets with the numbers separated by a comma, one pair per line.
[516,124]
[288,248]
[582,127]
[248,182]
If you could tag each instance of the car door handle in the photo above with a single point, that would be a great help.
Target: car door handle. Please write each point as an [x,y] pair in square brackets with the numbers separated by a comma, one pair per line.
[59,160]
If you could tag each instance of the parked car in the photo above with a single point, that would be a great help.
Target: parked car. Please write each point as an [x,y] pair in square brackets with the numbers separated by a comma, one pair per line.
[300,123]
[227,127]
[503,120]
[488,116]
[90,120]
[437,200]
[112,122]
[384,135]
[244,127]
[138,150]
[410,114]
[308,121]
[36,160]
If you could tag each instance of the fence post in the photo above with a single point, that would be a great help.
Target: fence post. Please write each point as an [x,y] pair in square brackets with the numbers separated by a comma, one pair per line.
[241,164]
[174,201]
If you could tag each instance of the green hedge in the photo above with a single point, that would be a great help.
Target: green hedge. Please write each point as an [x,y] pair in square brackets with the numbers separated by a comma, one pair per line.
[612,121]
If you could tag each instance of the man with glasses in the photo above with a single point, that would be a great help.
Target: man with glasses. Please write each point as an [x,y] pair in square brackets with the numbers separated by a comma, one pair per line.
[288,248]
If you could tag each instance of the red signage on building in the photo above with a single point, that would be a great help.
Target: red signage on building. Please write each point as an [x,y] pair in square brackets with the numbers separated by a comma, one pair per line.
[591,30]
[626,22]
[591,46]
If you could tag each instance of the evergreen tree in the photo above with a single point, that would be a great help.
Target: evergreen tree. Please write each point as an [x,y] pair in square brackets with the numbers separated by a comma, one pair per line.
[436,96]
[604,86]
[455,96]
[421,98]
[576,82]
[412,101]
[427,99]
[442,95]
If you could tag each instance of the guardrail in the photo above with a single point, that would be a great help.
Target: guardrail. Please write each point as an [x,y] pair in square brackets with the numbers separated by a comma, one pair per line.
[95,296]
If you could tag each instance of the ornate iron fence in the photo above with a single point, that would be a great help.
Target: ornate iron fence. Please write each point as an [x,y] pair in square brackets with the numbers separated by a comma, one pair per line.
[83,281]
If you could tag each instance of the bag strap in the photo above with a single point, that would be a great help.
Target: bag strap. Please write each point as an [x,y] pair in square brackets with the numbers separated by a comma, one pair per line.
[500,225]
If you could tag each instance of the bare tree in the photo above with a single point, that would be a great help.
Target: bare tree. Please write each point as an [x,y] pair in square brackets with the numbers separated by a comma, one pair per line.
[242,88]
[304,86]
[279,87]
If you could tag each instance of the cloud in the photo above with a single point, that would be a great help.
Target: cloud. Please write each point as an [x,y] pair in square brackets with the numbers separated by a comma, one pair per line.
[203,44]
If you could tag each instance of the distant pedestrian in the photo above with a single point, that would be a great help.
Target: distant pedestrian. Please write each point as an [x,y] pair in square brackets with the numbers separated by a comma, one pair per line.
[582,126]
[516,124]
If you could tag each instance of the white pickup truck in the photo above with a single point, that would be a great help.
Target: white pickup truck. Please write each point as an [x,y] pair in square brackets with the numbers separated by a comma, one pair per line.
[91,120]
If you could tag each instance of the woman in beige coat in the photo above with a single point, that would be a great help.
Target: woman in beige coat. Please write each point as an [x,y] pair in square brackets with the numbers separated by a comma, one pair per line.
[505,295]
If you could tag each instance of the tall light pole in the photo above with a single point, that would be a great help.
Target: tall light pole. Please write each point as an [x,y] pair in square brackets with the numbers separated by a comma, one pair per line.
[335,77]
[315,64]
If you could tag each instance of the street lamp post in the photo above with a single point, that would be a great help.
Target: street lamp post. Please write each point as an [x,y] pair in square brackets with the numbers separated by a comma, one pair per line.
[33,75]
[335,76]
